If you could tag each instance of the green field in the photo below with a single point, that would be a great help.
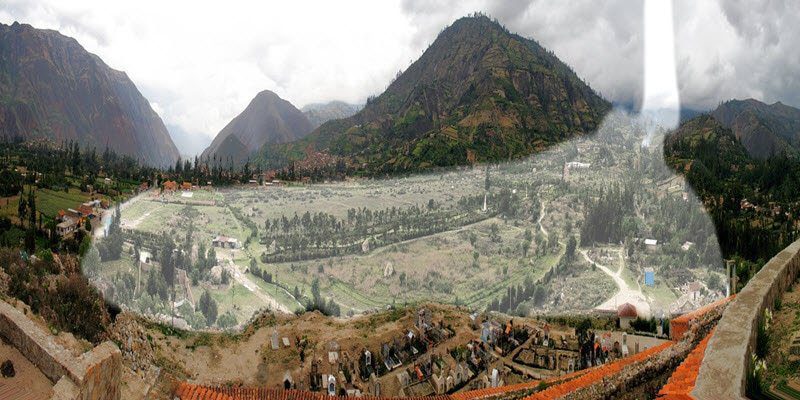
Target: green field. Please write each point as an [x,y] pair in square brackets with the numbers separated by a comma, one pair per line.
[48,202]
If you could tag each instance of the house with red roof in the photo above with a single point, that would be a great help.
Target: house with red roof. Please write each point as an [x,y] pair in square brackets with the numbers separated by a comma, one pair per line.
[626,313]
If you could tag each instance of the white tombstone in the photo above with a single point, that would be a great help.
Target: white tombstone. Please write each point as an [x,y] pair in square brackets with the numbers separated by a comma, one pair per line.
[331,385]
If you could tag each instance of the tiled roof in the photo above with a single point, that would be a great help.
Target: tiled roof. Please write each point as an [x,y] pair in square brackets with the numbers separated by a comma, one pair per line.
[596,374]
[188,391]
[681,383]
[627,310]
[559,386]
[680,325]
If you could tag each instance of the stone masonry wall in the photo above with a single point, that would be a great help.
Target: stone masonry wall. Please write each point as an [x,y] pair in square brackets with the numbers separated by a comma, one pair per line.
[723,372]
[95,375]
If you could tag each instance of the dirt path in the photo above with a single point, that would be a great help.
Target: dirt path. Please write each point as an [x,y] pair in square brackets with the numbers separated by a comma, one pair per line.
[243,280]
[539,221]
[132,224]
[624,294]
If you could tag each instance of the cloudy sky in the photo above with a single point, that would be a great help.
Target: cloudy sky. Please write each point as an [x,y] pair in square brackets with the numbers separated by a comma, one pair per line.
[200,63]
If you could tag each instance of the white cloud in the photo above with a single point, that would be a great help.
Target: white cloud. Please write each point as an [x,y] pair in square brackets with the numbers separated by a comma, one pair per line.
[202,62]
[738,49]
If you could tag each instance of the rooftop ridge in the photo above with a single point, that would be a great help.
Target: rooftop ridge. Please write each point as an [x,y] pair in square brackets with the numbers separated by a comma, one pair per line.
[188,390]
[682,381]
[678,326]
[597,374]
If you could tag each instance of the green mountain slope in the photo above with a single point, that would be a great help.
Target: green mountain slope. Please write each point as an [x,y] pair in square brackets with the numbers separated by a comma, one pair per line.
[764,129]
[477,94]
[752,200]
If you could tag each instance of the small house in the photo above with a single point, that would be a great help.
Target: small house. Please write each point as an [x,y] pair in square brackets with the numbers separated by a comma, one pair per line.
[626,313]
[170,186]
[224,241]
[66,227]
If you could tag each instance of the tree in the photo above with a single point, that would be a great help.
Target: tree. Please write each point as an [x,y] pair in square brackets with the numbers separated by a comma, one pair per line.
[30,240]
[227,320]
[10,183]
[22,209]
[212,258]
[296,293]
[32,209]
[715,282]
[152,286]
[315,295]
[572,244]
[208,306]
[539,294]
[166,259]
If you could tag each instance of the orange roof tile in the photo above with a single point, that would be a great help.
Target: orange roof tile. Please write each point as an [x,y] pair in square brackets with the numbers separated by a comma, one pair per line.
[561,385]
[681,383]
[678,326]
[596,374]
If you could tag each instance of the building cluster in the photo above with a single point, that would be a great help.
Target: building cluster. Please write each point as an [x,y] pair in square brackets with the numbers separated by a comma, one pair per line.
[694,294]
[72,219]
[572,165]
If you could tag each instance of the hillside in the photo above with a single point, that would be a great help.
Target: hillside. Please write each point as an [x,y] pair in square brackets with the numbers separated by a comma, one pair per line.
[53,88]
[320,113]
[267,119]
[751,199]
[764,129]
[478,93]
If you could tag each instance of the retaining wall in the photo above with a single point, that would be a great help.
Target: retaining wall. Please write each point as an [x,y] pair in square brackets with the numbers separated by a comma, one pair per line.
[723,372]
[94,375]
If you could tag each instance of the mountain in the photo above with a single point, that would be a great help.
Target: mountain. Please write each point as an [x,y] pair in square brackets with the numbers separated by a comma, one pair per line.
[320,113]
[765,130]
[705,149]
[51,87]
[752,200]
[267,119]
[478,93]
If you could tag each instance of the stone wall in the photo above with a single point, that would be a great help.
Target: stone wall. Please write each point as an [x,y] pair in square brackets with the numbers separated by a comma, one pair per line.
[723,372]
[94,375]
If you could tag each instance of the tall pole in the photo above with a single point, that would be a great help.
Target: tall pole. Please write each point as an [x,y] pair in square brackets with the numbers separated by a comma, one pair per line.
[728,277]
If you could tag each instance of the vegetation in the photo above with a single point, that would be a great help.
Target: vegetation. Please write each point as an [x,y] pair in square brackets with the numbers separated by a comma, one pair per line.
[751,200]
[450,108]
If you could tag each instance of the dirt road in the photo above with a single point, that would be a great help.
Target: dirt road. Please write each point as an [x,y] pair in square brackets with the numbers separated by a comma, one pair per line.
[625,294]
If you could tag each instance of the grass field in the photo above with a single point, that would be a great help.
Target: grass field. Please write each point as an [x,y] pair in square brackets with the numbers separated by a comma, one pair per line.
[48,202]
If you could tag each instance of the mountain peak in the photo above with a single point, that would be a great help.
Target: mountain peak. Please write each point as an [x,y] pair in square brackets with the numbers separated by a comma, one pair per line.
[764,129]
[477,94]
[267,94]
[267,119]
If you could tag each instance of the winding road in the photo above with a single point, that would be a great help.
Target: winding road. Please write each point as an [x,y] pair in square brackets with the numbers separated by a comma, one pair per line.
[625,294]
